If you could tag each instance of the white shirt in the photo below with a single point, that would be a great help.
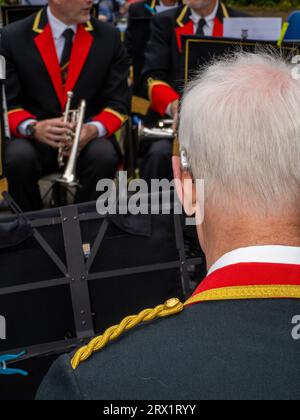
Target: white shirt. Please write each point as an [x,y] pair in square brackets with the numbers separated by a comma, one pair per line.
[275,254]
[163,8]
[210,21]
[58,28]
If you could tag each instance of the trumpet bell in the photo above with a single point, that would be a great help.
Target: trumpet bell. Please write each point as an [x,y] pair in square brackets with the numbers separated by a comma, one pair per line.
[68,179]
[161,132]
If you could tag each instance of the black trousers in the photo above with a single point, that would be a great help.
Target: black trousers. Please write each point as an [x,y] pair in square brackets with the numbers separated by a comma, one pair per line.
[156,160]
[27,161]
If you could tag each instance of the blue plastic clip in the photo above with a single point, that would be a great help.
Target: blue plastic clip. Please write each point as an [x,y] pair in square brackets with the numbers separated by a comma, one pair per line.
[4,370]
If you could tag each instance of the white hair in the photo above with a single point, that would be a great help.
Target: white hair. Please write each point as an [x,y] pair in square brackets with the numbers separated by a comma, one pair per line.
[240,126]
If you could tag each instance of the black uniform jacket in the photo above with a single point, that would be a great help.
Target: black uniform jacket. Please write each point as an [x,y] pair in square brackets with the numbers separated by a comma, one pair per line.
[237,339]
[98,72]
[163,65]
[137,35]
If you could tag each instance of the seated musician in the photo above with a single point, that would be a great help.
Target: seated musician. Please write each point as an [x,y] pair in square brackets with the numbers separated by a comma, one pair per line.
[163,74]
[238,336]
[58,50]
[138,33]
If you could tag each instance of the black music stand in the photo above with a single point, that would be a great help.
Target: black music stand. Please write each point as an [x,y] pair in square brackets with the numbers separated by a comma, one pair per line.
[199,51]
[12,14]
[3,182]
[58,292]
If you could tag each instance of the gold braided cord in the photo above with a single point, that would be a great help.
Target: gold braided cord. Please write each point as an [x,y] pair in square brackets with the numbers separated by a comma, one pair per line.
[171,307]
[174,306]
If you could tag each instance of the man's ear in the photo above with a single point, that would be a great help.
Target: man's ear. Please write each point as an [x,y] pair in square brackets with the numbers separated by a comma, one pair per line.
[177,177]
[186,190]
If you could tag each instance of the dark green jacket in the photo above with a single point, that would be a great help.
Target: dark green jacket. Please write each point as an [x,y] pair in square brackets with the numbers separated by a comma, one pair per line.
[214,350]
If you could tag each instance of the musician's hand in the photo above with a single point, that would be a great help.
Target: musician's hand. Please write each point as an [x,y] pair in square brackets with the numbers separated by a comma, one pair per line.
[53,132]
[89,132]
[175,114]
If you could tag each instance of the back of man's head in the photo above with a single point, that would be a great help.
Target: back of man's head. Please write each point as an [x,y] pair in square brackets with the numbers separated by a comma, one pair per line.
[240,125]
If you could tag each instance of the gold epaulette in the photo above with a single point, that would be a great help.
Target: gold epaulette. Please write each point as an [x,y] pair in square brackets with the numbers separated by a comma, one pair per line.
[171,307]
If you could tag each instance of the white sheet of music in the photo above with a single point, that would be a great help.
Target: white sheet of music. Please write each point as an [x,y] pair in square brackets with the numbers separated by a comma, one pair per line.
[260,29]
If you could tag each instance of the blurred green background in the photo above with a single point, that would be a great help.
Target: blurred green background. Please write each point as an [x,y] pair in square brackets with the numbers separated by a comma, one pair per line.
[270,8]
[256,7]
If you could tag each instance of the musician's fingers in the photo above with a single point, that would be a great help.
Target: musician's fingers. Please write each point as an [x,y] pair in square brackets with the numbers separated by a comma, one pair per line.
[62,124]
[66,153]
[67,146]
[62,131]
[59,136]
[53,144]
[71,125]
[56,138]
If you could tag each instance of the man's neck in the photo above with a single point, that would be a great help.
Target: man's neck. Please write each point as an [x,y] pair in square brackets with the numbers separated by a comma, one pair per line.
[206,10]
[62,18]
[168,3]
[226,237]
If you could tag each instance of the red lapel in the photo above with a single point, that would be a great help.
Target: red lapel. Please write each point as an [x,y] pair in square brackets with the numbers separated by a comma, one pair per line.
[187,29]
[251,274]
[81,48]
[45,44]
[218,28]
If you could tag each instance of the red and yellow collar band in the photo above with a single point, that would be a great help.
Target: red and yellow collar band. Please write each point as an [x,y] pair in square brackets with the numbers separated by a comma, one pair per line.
[250,281]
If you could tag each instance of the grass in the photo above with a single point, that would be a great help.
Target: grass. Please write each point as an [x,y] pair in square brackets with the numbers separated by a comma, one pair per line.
[266,11]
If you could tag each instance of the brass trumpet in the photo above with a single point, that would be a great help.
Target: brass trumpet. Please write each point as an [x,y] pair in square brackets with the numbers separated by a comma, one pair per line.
[77,117]
[164,130]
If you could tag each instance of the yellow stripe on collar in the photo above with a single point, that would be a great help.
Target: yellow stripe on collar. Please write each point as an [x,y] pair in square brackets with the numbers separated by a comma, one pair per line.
[36,23]
[225,11]
[89,26]
[181,16]
[247,292]
[153,4]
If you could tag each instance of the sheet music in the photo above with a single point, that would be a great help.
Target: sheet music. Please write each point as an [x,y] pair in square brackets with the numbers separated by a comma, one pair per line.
[260,29]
